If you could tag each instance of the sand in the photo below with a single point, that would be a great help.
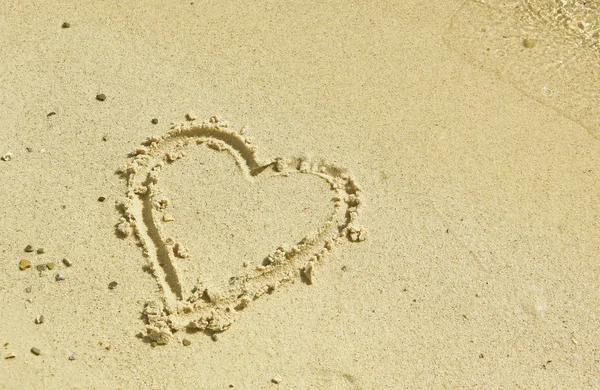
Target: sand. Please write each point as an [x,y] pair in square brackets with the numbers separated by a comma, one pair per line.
[366,198]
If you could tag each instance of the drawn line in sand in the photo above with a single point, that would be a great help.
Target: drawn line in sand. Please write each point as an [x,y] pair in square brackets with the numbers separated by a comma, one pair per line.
[549,50]
[205,307]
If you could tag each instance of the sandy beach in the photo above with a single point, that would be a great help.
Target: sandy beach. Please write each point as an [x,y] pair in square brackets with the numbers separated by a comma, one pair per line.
[299,195]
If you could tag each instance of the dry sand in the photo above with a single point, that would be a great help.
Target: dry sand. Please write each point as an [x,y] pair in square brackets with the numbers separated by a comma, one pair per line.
[469,129]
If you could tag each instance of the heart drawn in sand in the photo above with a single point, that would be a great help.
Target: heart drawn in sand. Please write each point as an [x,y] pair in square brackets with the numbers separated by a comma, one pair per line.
[200,306]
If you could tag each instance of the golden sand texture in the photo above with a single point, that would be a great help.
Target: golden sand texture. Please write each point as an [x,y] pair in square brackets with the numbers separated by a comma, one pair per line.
[466,130]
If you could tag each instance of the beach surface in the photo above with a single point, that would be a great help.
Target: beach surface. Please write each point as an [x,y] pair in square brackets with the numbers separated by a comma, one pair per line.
[298,195]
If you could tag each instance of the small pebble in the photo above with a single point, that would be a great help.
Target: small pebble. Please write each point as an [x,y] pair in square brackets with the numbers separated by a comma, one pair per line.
[51,266]
[101,199]
[154,121]
[168,217]
[41,267]
[28,290]
[186,342]
[67,262]
[51,113]
[66,25]
[214,337]
[112,285]
[10,355]
[39,319]
[7,156]
[24,264]
[529,43]
[29,248]
[101,97]
[277,379]
[36,351]
[29,149]
[105,137]
[72,357]
[59,277]
[40,251]
[191,116]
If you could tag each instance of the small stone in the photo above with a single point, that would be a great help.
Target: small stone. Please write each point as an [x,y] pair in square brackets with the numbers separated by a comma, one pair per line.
[168,217]
[29,248]
[214,119]
[67,262]
[36,351]
[529,43]
[51,113]
[24,264]
[29,149]
[10,355]
[51,266]
[66,25]
[101,199]
[7,156]
[214,337]
[186,342]
[39,319]
[40,251]
[41,267]
[112,285]
[101,97]
[59,277]
[72,357]
[28,290]
[277,379]
[154,121]
[105,137]
[191,116]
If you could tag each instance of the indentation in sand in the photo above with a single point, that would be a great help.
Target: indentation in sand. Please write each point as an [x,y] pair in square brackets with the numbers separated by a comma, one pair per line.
[188,302]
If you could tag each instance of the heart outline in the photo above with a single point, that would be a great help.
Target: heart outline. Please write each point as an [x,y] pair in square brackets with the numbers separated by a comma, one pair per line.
[202,307]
